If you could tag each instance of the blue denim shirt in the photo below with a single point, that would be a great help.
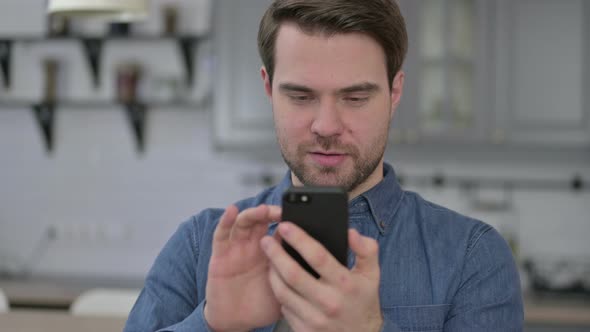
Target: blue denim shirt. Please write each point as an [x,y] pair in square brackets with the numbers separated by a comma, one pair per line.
[440,271]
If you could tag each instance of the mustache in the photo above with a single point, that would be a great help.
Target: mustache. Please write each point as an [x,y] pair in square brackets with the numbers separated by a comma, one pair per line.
[330,143]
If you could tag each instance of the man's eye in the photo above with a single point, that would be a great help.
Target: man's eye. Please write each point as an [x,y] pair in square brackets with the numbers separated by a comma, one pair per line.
[300,98]
[356,100]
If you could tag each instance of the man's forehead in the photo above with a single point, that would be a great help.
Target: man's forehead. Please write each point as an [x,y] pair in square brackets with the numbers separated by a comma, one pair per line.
[290,29]
[321,62]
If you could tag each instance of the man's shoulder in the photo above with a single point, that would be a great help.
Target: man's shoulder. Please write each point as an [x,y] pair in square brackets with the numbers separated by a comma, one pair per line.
[451,238]
[439,221]
[433,212]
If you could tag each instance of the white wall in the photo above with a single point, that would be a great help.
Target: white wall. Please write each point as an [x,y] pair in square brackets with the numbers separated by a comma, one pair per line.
[113,210]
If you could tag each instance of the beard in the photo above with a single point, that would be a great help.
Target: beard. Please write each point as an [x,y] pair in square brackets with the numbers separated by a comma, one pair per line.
[315,175]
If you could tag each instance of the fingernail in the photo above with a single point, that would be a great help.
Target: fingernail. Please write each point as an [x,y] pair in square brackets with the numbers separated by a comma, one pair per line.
[285,230]
[265,243]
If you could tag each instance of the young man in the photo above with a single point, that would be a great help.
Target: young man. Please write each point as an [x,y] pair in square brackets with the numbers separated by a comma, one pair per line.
[332,71]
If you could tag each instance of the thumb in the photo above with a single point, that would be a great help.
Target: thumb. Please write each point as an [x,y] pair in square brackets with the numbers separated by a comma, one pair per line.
[366,250]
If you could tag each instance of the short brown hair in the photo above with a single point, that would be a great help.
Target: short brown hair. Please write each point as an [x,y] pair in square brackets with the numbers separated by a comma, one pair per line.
[380,19]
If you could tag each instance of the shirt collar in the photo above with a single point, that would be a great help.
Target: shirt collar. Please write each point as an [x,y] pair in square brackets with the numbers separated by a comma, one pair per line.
[277,196]
[383,200]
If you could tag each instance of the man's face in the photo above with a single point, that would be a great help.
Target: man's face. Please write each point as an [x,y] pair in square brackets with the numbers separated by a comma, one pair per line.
[332,107]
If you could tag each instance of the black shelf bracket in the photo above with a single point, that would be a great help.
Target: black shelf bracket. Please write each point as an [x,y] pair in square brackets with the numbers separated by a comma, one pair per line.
[93,52]
[5,61]
[137,117]
[578,183]
[187,50]
[44,113]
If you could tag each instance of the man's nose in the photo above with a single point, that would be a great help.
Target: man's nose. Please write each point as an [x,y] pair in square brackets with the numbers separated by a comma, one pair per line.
[328,120]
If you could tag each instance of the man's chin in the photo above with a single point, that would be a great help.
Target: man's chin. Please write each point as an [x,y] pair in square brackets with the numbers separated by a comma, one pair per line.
[326,177]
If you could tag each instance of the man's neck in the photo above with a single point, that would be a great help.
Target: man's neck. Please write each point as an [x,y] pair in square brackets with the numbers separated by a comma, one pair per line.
[370,182]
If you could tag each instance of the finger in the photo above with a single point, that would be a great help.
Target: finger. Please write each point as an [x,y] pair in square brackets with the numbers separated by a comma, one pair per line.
[323,295]
[314,253]
[295,276]
[227,220]
[309,321]
[247,220]
[261,229]
[298,307]
[295,323]
[274,212]
[366,250]
[277,236]
[283,293]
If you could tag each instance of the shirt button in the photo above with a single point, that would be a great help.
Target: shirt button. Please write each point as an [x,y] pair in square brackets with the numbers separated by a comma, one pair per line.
[382,224]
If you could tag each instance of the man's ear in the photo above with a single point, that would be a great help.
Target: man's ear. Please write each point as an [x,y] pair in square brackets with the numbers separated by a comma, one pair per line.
[397,90]
[266,81]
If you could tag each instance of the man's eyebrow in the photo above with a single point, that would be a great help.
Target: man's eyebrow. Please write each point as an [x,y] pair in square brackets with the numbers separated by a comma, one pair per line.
[362,87]
[291,87]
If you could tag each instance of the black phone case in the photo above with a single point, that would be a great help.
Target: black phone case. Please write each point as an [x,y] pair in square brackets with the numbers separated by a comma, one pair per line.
[324,217]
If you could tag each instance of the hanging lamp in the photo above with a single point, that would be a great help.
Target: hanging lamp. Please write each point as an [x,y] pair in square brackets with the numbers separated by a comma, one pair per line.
[113,10]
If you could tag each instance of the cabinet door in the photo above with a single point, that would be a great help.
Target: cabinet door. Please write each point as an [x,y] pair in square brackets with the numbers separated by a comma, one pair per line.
[242,112]
[542,72]
[403,129]
[447,70]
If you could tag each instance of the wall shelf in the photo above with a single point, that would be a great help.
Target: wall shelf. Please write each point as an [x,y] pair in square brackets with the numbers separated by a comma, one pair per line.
[576,184]
[92,48]
[82,105]
[138,38]
[136,112]
[44,110]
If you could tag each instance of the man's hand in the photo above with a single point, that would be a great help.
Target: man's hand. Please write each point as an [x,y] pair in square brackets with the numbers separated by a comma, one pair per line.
[341,300]
[239,295]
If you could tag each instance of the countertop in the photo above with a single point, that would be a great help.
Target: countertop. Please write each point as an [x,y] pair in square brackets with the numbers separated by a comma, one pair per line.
[55,293]
[59,294]
[57,321]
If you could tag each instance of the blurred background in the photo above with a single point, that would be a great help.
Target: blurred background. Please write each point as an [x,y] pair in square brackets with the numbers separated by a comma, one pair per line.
[112,134]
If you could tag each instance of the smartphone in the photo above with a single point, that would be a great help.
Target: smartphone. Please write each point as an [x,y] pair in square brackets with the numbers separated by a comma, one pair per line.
[322,212]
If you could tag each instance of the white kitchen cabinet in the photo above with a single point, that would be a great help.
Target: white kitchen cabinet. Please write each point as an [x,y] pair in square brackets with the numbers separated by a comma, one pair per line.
[447,95]
[445,70]
[478,72]
[242,112]
[542,72]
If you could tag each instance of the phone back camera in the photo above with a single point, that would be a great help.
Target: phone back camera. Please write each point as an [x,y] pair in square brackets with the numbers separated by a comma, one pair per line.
[295,198]
[304,199]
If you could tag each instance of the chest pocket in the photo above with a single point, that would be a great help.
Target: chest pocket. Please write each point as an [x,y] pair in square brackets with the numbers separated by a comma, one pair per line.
[429,318]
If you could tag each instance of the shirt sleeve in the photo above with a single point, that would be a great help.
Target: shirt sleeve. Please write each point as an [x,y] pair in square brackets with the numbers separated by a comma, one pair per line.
[169,299]
[489,297]
[194,322]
